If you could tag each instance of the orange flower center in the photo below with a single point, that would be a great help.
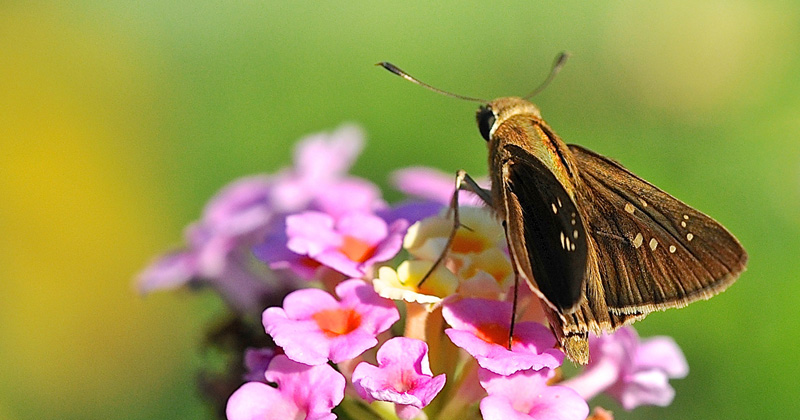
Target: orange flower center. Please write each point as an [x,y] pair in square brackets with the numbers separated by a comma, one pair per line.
[467,242]
[493,333]
[356,249]
[336,322]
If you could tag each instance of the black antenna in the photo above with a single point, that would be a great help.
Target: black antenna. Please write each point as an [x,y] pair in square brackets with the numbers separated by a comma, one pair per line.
[394,69]
[558,64]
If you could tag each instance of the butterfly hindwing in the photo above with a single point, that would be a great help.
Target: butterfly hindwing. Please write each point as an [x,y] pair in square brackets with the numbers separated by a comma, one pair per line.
[653,251]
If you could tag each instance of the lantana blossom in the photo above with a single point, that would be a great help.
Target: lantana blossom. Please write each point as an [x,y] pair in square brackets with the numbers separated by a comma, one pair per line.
[525,395]
[313,327]
[634,372]
[318,179]
[349,245]
[302,392]
[481,327]
[218,250]
[403,376]
[314,221]
[479,231]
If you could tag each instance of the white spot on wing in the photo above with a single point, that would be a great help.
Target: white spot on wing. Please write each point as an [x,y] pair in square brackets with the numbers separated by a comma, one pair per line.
[562,240]
[653,244]
[685,217]
[555,209]
[644,203]
[637,241]
[575,234]
[629,208]
[559,201]
[683,224]
[672,249]
[689,237]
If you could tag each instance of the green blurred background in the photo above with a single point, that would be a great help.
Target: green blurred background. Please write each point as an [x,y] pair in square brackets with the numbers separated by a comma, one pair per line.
[118,120]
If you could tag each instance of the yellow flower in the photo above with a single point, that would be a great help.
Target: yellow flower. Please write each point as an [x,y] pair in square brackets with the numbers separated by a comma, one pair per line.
[480,231]
[487,274]
[402,284]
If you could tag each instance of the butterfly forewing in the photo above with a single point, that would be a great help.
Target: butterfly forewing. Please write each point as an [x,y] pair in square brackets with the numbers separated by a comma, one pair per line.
[653,251]
[547,222]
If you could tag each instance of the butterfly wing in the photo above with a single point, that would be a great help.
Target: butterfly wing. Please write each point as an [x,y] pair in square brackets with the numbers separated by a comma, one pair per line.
[653,251]
[545,230]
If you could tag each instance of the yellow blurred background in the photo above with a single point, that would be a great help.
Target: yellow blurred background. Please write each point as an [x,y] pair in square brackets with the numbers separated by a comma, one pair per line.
[118,120]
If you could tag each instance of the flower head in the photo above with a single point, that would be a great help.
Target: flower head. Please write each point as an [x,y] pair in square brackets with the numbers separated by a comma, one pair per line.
[218,247]
[403,376]
[526,395]
[318,180]
[307,392]
[633,372]
[480,231]
[350,245]
[313,327]
[481,327]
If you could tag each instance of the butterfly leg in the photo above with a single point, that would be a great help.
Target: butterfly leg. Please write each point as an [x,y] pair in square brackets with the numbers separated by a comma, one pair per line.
[464,182]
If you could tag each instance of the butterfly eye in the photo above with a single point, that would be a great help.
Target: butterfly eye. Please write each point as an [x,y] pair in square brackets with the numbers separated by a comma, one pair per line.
[486,118]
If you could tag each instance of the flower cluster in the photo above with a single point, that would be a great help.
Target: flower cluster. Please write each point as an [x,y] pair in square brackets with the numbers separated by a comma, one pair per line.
[362,321]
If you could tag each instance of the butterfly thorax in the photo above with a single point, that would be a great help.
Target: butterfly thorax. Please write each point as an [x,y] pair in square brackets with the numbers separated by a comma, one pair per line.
[519,123]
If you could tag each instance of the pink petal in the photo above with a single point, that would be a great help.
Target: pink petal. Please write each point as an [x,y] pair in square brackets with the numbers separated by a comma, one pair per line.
[258,401]
[664,354]
[321,156]
[432,184]
[316,388]
[402,376]
[368,228]
[168,272]
[311,233]
[532,346]
[349,195]
[303,304]
[302,341]
[644,388]
[527,392]
[500,408]
[377,314]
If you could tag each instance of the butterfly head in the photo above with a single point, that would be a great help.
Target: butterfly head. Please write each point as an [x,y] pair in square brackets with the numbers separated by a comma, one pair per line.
[494,113]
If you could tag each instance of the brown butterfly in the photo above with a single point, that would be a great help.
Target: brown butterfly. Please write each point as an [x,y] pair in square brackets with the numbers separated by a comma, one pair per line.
[599,245]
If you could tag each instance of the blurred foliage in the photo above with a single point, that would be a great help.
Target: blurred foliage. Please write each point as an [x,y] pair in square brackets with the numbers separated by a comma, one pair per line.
[119,119]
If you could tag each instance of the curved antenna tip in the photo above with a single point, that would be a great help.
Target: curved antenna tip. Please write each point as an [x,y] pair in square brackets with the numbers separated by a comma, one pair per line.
[558,64]
[397,71]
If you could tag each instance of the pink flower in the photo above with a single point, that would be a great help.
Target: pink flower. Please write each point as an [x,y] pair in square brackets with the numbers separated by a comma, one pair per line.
[351,245]
[526,395]
[403,376]
[633,372]
[313,327]
[318,180]
[481,328]
[303,392]
[274,252]
[218,250]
